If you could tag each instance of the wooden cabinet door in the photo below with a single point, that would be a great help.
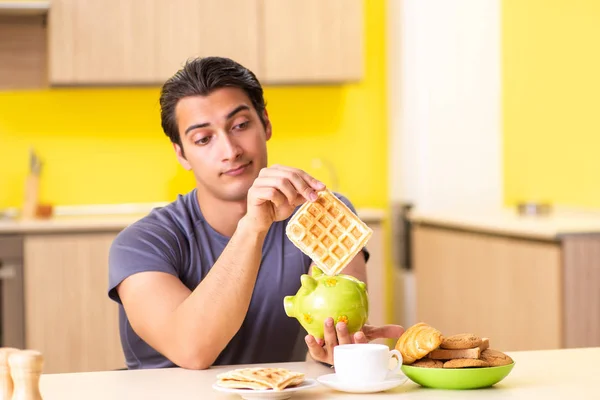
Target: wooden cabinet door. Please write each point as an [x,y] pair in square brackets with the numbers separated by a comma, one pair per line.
[146,41]
[22,53]
[102,42]
[312,41]
[200,28]
[506,289]
[68,315]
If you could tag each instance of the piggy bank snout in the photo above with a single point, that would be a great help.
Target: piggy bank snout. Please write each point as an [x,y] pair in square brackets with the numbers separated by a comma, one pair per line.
[288,305]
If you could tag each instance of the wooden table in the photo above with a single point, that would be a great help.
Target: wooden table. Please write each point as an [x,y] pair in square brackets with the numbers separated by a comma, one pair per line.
[550,374]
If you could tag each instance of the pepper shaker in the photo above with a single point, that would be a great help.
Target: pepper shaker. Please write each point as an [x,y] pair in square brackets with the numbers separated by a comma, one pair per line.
[25,368]
[6,382]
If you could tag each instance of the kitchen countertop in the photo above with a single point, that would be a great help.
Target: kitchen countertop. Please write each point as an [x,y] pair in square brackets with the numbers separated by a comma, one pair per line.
[562,221]
[550,374]
[111,219]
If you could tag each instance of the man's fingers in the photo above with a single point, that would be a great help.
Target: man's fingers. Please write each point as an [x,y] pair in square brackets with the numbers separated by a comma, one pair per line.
[359,337]
[330,335]
[343,336]
[383,332]
[281,184]
[316,351]
[301,185]
[299,200]
[304,184]
[314,183]
[262,194]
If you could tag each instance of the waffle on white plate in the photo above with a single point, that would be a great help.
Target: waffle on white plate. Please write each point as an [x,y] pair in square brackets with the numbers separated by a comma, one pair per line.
[260,378]
[328,232]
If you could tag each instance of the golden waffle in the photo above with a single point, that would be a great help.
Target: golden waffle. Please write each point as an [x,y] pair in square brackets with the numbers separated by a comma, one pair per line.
[328,232]
[260,378]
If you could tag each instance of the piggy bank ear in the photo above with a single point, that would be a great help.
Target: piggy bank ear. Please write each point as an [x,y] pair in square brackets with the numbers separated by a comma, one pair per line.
[308,283]
[316,271]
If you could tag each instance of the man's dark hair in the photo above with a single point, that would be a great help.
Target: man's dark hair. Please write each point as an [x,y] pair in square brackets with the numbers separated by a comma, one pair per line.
[201,76]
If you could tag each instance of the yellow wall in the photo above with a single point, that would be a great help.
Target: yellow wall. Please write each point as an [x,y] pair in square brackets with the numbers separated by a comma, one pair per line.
[106,145]
[551,100]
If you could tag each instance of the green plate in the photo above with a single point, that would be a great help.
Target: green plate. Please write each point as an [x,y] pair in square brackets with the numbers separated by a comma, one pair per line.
[457,378]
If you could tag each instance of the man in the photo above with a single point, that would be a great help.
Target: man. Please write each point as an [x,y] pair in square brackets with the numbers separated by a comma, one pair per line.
[201,281]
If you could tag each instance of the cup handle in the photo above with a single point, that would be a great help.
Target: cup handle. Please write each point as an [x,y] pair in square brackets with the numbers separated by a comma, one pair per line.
[399,357]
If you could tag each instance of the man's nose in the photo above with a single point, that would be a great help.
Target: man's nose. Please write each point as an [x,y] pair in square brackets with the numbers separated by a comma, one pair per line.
[231,149]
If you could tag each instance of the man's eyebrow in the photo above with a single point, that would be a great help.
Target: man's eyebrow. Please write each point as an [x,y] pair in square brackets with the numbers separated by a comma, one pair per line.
[237,110]
[196,126]
[229,115]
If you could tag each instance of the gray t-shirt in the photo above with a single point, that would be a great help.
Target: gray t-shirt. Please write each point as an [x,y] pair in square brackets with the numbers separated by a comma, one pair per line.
[176,239]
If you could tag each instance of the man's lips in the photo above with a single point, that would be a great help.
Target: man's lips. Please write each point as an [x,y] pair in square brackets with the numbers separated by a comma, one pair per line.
[237,171]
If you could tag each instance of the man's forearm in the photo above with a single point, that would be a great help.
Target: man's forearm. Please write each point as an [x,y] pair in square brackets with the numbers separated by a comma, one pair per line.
[209,318]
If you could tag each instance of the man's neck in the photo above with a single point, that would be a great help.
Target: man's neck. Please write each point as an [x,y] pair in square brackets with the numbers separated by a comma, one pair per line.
[222,216]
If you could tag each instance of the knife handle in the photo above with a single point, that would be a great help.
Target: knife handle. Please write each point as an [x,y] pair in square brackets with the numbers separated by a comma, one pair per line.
[32,189]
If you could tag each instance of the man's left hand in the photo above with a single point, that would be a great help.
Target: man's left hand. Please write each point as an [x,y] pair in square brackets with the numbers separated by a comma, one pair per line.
[322,349]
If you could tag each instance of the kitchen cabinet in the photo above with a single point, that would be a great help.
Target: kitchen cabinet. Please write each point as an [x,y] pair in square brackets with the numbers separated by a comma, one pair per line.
[101,41]
[12,325]
[147,41]
[525,283]
[189,28]
[23,52]
[315,41]
[68,315]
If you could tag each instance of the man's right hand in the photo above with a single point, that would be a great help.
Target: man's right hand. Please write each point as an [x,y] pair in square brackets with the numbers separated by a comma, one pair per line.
[276,192]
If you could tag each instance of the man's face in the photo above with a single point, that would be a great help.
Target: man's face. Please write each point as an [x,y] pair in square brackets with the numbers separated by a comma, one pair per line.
[224,142]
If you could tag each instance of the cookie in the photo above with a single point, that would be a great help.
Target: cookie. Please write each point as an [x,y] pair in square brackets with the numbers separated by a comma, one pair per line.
[428,363]
[495,358]
[466,363]
[461,341]
[445,354]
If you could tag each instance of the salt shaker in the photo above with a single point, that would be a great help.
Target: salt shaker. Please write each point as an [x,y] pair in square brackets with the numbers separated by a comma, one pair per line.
[6,382]
[25,368]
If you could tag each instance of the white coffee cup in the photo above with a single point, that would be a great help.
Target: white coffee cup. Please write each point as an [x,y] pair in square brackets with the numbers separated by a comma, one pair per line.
[367,362]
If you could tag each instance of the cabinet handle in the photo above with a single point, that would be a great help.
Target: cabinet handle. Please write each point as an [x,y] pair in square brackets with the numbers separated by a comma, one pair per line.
[8,272]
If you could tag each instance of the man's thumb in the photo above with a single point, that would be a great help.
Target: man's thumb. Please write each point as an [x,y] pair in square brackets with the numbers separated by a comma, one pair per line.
[386,332]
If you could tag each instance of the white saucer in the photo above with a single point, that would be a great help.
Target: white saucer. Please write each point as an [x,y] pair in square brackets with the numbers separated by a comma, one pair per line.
[268,393]
[390,382]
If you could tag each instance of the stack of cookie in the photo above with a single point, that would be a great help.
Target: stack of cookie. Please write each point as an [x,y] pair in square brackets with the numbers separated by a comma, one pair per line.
[424,346]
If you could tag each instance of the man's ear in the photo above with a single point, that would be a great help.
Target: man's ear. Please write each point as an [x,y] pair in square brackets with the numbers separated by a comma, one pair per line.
[181,157]
[268,127]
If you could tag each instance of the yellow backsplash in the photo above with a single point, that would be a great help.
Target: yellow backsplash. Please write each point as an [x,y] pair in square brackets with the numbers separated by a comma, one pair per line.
[106,146]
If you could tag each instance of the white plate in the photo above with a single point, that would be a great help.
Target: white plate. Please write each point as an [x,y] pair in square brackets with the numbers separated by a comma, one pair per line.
[392,381]
[268,393]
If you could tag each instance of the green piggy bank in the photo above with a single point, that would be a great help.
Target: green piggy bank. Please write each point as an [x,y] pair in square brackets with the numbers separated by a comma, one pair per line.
[341,297]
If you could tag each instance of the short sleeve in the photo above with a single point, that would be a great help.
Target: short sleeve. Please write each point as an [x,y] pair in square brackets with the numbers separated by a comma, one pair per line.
[349,204]
[142,246]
